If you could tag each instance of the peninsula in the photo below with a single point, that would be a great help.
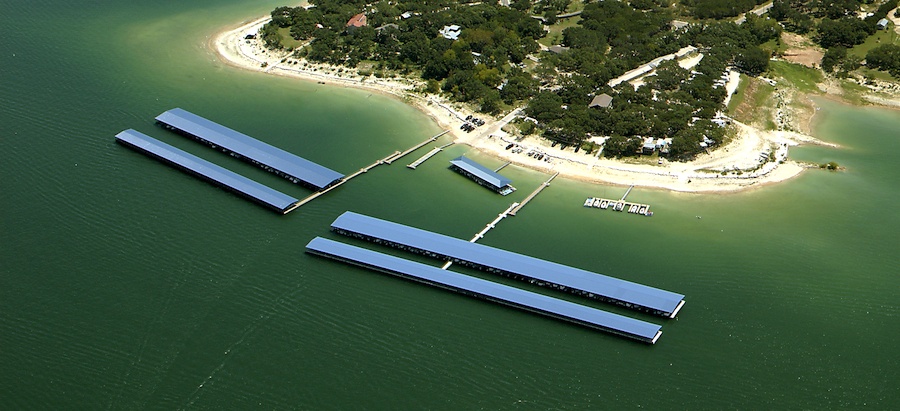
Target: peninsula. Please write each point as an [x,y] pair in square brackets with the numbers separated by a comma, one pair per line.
[734,144]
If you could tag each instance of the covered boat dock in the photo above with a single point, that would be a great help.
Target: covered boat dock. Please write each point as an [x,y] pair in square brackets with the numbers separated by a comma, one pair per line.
[295,168]
[487,290]
[199,167]
[482,175]
[533,270]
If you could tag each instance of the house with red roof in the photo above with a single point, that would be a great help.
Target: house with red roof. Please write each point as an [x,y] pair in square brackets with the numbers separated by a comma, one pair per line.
[357,21]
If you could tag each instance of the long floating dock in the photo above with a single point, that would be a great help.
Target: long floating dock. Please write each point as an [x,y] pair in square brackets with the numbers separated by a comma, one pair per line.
[541,272]
[363,170]
[199,167]
[487,290]
[428,155]
[533,194]
[416,147]
[295,168]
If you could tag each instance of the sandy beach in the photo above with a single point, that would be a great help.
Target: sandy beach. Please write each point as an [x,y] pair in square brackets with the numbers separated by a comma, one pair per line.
[753,158]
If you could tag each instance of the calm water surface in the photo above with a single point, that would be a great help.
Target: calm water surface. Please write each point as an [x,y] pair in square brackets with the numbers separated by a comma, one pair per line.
[127,284]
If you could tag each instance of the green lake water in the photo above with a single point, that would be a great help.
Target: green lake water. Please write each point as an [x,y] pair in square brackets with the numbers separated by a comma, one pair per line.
[126,284]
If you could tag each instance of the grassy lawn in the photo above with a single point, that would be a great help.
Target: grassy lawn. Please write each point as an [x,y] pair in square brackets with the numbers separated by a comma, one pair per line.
[799,76]
[287,41]
[738,95]
[554,37]
[876,74]
[880,37]
[774,46]
[853,92]
[754,104]
[575,5]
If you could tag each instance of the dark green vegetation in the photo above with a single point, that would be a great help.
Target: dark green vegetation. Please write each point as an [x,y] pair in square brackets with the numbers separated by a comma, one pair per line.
[885,57]
[488,65]
[614,37]
[129,285]
[831,165]
[837,28]
[404,37]
[717,9]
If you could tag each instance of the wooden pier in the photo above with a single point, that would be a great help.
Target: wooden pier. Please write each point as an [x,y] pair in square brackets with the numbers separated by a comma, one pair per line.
[366,169]
[502,167]
[428,155]
[416,147]
[533,194]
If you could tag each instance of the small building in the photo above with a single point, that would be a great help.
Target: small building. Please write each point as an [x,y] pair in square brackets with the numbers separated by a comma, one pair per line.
[663,145]
[679,25]
[482,175]
[603,101]
[882,24]
[357,21]
[558,49]
[406,15]
[451,32]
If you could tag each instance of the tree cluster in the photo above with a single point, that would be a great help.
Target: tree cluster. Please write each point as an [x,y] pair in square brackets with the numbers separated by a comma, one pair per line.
[837,26]
[885,57]
[676,103]
[717,9]
[479,67]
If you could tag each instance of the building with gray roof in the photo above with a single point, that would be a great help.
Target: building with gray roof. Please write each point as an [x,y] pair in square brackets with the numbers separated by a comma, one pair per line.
[487,290]
[295,168]
[482,175]
[199,167]
[534,270]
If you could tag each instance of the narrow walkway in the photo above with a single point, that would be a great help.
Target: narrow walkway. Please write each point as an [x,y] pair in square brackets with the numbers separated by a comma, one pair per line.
[533,194]
[626,193]
[487,228]
[428,155]
[417,146]
[316,195]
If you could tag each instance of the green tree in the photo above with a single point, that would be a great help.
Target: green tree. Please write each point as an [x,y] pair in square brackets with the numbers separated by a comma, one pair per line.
[752,60]
[833,57]
[490,102]
[885,57]
[546,106]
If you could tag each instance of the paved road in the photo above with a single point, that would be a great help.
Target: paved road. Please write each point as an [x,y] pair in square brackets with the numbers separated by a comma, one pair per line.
[759,11]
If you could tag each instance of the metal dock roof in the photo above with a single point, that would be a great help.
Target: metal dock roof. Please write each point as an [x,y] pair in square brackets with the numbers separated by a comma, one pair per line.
[504,294]
[605,287]
[249,147]
[226,178]
[481,172]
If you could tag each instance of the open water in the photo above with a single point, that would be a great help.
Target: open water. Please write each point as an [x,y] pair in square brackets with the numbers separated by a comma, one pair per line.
[126,284]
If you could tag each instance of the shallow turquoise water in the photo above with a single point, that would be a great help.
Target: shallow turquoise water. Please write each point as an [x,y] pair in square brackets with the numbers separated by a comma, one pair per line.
[127,284]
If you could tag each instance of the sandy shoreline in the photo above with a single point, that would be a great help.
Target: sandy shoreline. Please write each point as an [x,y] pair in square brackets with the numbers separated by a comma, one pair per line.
[742,164]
